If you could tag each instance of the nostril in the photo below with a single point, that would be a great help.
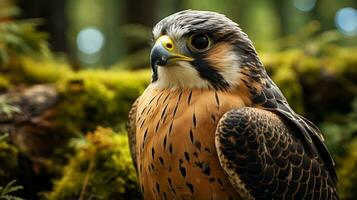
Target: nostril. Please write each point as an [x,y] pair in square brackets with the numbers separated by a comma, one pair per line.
[169,45]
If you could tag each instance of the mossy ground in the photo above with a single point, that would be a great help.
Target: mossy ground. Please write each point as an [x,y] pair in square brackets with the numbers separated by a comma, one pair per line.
[101,168]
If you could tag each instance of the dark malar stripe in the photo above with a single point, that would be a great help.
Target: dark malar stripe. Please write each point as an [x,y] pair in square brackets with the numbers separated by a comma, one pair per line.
[206,71]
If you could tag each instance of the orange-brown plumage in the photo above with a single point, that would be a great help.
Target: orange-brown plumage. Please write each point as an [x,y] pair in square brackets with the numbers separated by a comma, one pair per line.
[175,129]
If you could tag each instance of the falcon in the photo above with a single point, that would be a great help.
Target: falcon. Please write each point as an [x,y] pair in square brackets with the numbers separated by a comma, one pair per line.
[213,125]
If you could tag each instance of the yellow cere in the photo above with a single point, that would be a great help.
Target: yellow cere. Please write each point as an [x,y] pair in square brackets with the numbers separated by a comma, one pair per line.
[166,42]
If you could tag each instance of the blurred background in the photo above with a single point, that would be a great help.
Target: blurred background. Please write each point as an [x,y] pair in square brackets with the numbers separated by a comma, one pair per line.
[70,70]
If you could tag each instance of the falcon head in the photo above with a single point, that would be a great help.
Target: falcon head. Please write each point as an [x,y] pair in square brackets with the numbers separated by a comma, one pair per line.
[201,49]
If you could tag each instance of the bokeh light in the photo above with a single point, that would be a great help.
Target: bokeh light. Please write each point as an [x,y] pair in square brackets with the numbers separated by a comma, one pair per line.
[346,20]
[304,5]
[90,40]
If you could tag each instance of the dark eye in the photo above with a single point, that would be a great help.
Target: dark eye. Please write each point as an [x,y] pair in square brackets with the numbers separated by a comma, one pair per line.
[200,42]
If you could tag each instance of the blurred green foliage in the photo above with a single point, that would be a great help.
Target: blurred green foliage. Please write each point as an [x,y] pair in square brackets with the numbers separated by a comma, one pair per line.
[348,173]
[6,108]
[19,37]
[340,130]
[101,168]
[7,192]
[14,166]
[315,83]
[8,159]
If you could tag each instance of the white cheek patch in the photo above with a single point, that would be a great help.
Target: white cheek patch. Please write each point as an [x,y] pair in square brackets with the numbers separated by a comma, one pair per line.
[182,75]
[230,71]
[226,62]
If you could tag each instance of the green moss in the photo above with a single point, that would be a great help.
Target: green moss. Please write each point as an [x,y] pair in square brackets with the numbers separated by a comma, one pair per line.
[287,81]
[43,70]
[309,68]
[282,70]
[93,97]
[341,61]
[100,169]
[28,71]
[315,82]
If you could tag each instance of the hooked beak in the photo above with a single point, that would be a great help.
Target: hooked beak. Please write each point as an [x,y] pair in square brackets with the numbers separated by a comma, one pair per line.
[163,53]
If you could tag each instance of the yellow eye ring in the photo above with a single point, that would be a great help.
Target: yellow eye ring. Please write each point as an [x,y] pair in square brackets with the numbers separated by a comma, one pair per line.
[199,42]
